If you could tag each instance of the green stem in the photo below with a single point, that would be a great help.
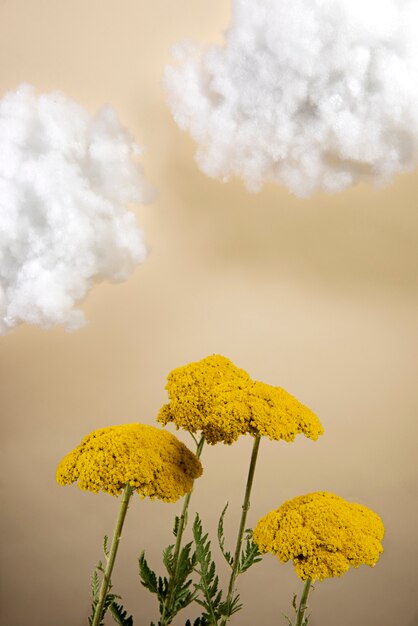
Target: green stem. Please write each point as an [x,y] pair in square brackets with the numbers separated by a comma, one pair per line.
[245,509]
[303,602]
[180,530]
[98,613]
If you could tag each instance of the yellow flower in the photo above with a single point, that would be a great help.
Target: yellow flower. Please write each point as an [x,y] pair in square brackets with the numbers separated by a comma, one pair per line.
[323,534]
[278,415]
[154,462]
[222,401]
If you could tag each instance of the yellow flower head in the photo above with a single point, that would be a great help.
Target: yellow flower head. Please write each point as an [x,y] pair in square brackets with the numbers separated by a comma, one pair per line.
[323,534]
[278,415]
[153,461]
[222,401]
[206,396]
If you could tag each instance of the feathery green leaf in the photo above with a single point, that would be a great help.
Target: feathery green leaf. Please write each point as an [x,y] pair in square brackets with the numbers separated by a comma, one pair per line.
[221,538]
[199,621]
[168,559]
[211,599]
[105,547]
[250,553]
[120,615]
[147,575]
[176,525]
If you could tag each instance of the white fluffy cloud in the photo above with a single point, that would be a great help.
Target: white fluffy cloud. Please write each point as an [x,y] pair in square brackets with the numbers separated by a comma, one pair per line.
[312,94]
[65,180]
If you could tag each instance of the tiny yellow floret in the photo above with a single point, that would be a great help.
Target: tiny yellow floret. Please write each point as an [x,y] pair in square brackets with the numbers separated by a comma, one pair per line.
[152,461]
[323,534]
[221,401]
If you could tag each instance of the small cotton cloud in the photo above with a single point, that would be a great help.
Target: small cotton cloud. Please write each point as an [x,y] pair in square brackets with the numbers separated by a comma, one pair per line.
[311,94]
[65,180]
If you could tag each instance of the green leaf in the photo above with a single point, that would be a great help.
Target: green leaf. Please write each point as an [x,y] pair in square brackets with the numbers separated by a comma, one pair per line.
[199,621]
[168,559]
[211,599]
[221,538]
[120,615]
[250,553]
[296,609]
[176,525]
[215,607]
[146,574]
[232,607]
[289,621]
[105,548]
[175,591]
[182,595]
[171,601]
[94,584]
[110,597]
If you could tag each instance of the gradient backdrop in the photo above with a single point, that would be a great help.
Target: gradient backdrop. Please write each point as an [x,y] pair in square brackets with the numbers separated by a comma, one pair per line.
[318,296]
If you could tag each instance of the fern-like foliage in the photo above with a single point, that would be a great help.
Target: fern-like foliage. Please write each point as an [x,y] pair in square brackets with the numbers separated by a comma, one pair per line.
[199,621]
[168,559]
[296,610]
[147,575]
[95,582]
[119,614]
[221,538]
[211,599]
[110,598]
[174,592]
[210,596]
[250,553]
[105,546]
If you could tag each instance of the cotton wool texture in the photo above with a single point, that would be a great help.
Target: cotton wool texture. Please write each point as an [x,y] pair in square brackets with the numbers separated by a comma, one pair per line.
[66,178]
[310,94]
[220,401]
[323,534]
[152,461]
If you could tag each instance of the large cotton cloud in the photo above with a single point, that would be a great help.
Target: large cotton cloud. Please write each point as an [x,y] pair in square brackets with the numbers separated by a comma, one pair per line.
[65,180]
[312,94]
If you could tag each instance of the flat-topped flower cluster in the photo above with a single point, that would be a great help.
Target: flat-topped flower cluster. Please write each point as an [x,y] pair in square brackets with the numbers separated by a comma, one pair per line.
[323,534]
[152,461]
[221,401]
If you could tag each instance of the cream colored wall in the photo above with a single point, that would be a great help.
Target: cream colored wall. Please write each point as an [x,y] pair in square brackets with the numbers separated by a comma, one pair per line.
[318,296]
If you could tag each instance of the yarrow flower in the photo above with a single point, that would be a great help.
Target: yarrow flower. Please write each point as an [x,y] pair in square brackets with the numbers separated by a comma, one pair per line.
[222,401]
[322,533]
[152,461]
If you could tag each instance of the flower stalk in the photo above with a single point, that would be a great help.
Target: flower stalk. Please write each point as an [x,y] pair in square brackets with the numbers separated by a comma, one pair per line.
[167,610]
[98,613]
[303,604]
[245,509]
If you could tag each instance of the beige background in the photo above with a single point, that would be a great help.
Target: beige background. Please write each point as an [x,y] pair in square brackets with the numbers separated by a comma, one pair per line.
[318,296]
